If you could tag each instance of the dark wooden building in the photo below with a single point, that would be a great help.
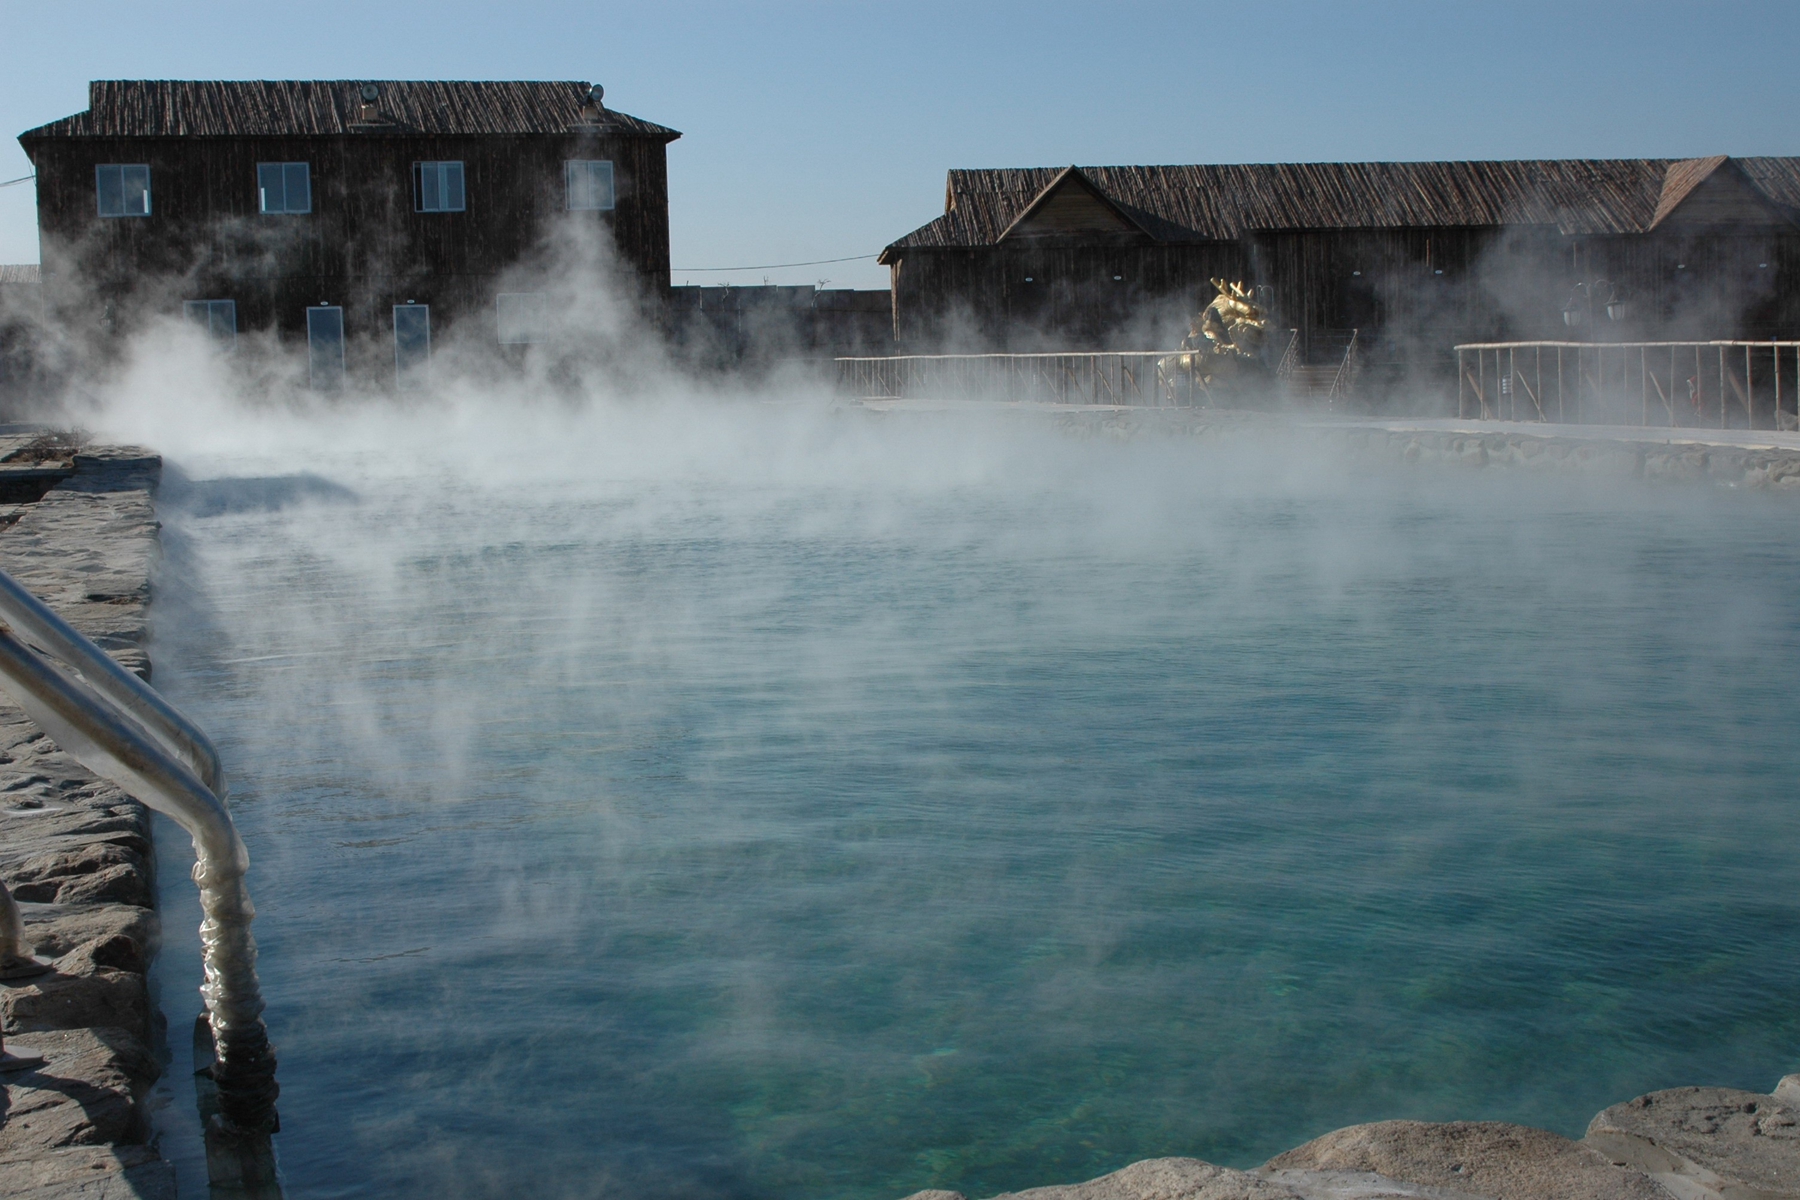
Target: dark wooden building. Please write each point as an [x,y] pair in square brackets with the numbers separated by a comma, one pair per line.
[404,206]
[1415,256]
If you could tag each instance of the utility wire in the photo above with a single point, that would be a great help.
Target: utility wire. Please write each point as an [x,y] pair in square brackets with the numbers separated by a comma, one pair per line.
[20,179]
[817,262]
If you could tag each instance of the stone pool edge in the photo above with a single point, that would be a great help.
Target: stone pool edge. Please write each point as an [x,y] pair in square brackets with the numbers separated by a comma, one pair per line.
[1725,457]
[1690,1143]
[76,851]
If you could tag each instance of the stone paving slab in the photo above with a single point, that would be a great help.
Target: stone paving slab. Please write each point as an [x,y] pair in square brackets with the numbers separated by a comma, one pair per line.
[89,1173]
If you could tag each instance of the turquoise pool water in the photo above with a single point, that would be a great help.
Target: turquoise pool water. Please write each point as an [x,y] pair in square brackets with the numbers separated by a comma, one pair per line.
[975,808]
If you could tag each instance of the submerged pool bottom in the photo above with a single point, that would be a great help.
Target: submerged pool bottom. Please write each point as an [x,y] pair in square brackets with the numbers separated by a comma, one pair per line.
[714,829]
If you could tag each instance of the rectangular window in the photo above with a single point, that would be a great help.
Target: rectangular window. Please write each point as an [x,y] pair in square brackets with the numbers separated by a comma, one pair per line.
[325,347]
[216,317]
[283,187]
[590,184]
[438,187]
[412,343]
[123,189]
[523,317]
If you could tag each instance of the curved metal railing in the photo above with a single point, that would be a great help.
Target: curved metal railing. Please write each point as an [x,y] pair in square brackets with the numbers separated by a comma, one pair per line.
[119,728]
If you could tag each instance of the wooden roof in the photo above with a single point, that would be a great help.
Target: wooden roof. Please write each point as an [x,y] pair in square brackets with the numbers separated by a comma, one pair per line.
[329,107]
[1224,202]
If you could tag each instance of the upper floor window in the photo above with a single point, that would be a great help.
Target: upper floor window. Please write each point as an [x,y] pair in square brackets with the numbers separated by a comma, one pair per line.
[284,187]
[123,189]
[590,183]
[438,187]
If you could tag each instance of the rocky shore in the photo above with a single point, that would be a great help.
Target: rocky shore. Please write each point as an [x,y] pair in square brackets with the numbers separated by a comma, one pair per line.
[75,851]
[1691,1143]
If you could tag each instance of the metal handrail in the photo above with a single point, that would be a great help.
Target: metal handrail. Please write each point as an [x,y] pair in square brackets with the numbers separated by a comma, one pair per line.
[1587,381]
[49,632]
[117,727]
[1290,358]
[1346,372]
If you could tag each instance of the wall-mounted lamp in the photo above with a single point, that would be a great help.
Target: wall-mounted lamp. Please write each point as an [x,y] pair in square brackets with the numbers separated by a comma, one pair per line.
[1584,298]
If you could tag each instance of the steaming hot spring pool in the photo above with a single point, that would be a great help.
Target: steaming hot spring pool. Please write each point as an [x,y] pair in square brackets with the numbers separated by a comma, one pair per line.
[756,807]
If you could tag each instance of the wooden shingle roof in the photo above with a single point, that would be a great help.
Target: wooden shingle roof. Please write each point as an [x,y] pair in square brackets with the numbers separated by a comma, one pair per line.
[312,108]
[1224,202]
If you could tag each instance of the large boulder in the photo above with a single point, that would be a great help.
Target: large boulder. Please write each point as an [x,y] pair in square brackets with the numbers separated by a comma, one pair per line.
[1707,1143]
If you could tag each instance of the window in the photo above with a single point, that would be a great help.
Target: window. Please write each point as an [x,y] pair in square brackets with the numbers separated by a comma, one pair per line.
[590,184]
[325,347]
[412,342]
[437,187]
[283,187]
[522,317]
[123,189]
[216,317]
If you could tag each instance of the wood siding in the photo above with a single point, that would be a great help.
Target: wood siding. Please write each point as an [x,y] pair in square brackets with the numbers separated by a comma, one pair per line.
[1413,293]
[1414,256]
[362,246]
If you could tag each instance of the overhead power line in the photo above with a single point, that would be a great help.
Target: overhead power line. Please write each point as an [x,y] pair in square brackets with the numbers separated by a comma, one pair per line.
[20,179]
[817,262]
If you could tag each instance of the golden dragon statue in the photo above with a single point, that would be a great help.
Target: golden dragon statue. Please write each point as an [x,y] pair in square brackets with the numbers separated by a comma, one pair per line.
[1223,347]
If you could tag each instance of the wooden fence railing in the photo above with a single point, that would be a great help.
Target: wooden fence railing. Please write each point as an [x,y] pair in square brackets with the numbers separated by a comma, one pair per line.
[1153,377]
[1716,385]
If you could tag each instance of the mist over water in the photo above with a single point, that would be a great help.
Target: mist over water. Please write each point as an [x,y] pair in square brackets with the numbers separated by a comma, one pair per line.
[748,800]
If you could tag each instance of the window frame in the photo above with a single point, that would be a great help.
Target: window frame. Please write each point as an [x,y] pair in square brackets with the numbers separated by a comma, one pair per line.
[442,172]
[262,189]
[124,207]
[573,166]
[536,330]
[205,313]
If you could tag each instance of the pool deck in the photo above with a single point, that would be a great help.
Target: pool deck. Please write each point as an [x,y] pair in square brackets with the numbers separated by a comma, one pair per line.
[75,851]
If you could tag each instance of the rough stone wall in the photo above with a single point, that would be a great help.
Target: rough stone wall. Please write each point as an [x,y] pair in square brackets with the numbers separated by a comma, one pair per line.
[75,851]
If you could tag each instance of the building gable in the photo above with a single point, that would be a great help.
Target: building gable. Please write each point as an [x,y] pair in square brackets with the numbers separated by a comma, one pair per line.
[1072,206]
[1713,192]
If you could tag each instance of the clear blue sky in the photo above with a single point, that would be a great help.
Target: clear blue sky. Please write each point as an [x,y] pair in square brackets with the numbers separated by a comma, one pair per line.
[817,130]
